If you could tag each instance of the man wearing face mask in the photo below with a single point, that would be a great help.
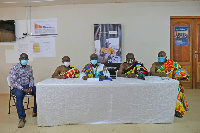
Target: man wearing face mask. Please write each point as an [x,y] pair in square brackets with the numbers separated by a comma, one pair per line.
[170,68]
[94,69]
[66,70]
[22,80]
[132,68]
[162,58]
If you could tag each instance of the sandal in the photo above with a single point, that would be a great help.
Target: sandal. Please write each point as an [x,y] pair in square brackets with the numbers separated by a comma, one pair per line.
[178,114]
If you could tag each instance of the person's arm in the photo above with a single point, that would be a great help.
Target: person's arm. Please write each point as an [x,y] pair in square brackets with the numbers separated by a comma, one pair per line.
[153,70]
[13,79]
[154,73]
[119,73]
[31,82]
[131,75]
[55,74]
[83,74]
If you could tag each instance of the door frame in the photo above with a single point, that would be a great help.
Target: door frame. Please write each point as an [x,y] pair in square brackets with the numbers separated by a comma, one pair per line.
[196,48]
[194,75]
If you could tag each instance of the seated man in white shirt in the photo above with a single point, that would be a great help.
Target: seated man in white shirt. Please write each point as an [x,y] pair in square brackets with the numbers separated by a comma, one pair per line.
[94,69]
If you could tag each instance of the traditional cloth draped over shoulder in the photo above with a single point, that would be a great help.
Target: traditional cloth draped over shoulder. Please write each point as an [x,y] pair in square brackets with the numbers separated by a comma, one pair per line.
[72,73]
[136,68]
[174,70]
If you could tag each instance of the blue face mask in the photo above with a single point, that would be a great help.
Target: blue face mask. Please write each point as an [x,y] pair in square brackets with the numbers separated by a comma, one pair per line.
[24,62]
[161,59]
[94,62]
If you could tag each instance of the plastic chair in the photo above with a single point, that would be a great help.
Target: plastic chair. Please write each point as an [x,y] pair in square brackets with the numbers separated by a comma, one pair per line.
[12,96]
[116,73]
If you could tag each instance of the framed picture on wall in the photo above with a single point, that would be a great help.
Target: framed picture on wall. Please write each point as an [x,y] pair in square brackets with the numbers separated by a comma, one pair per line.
[7,31]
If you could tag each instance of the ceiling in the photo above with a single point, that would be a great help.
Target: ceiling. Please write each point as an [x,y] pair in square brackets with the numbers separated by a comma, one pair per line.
[17,3]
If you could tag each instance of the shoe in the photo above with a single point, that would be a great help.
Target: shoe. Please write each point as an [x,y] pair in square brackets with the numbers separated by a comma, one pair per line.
[21,123]
[34,114]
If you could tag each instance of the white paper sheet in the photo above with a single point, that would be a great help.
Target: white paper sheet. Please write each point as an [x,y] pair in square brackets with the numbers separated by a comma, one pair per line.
[43,47]
[36,47]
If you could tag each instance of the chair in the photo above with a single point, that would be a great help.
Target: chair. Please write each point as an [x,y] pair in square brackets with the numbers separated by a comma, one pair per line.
[14,97]
[116,73]
[112,68]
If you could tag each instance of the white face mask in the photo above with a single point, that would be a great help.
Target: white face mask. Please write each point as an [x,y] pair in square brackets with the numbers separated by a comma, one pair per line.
[66,64]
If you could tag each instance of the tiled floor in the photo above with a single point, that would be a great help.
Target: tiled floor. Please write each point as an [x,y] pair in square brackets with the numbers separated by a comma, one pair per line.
[190,123]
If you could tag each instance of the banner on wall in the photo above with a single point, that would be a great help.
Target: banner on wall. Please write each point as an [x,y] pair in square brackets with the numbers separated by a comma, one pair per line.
[181,36]
[44,27]
[107,41]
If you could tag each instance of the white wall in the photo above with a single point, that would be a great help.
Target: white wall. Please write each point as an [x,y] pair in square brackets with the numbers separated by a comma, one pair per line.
[145,31]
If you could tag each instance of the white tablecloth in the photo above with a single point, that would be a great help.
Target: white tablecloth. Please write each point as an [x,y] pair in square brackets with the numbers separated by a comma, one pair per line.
[123,100]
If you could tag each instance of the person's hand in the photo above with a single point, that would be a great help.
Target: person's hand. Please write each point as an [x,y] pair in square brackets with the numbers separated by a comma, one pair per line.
[132,75]
[27,91]
[61,77]
[84,77]
[102,77]
[30,90]
[163,75]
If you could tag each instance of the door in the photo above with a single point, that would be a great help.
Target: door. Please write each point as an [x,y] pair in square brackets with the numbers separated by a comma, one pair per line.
[185,44]
[197,54]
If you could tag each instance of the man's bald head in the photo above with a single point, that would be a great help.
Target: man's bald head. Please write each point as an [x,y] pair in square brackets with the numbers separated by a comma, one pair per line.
[130,58]
[130,55]
[66,59]
[23,56]
[93,56]
[161,54]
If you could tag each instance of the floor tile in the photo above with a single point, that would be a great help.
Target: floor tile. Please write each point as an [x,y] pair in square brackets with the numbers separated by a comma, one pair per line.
[152,128]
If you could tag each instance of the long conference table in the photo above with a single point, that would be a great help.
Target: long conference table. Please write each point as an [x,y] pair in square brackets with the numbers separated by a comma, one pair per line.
[123,100]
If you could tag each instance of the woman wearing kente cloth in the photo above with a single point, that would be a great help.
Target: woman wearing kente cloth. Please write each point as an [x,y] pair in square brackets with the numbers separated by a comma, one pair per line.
[94,69]
[66,70]
[132,68]
[169,68]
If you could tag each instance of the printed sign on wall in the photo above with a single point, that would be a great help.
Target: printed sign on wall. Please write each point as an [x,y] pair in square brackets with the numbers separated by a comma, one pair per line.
[107,40]
[181,36]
